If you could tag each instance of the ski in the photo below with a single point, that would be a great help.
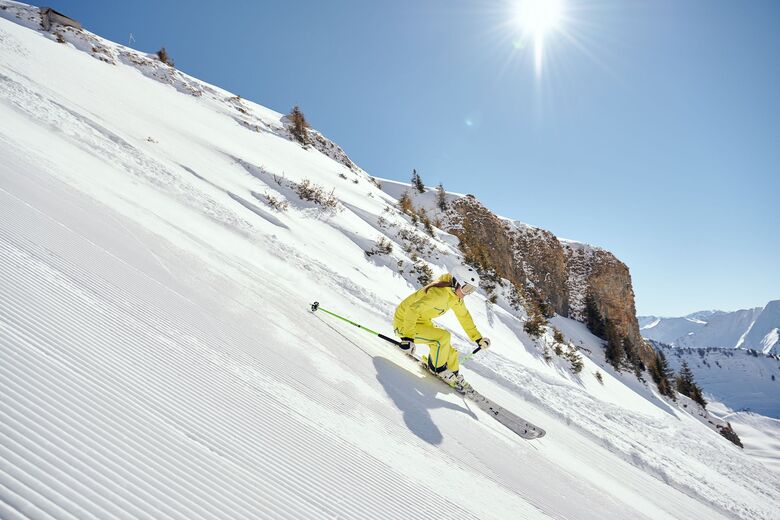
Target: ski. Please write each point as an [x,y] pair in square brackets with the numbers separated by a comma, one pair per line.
[512,421]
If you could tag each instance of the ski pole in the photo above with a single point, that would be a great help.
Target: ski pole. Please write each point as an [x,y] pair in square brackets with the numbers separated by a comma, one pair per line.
[316,306]
[469,356]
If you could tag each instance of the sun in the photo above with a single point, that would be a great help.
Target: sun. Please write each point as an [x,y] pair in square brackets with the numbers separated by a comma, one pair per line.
[538,18]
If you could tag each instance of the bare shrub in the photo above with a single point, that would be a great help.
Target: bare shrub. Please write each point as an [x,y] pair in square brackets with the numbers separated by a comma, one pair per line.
[275,202]
[164,57]
[383,246]
[405,204]
[535,326]
[279,179]
[307,190]
[424,272]
[414,242]
[515,297]
[426,222]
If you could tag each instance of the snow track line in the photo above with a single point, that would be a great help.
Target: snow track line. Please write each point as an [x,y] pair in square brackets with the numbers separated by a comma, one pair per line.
[171,332]
[52,375]
[11,506]
[17,483]
[56,482]
[56,334]
[65,267]
[163,376]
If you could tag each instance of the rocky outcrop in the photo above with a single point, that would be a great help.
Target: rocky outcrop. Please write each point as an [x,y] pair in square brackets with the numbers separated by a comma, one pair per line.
[526,256]
[562,273]
[597,273]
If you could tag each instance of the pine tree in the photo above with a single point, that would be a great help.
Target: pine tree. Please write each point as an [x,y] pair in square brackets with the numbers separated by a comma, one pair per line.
[441,197]
[574,358]
[661,374]
[300,127]
[633,359]
[593,317]
[614,352]
[664,368]
[687,386]
[417,182]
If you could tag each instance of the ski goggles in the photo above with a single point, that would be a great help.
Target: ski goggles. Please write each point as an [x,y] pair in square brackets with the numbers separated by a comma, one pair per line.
[467,289]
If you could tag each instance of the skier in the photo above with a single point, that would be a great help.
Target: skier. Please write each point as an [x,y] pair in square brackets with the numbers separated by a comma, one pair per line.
[412,321]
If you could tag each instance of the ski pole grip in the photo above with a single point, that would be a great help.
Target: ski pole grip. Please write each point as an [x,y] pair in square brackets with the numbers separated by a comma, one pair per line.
[391,340]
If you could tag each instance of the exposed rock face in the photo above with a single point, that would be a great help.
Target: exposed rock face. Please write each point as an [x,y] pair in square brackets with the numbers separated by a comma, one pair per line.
[541,257]
[562,272]
[599,273]
[522,254]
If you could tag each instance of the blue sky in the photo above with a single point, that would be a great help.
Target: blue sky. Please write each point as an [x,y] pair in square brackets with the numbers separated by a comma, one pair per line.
[653,129]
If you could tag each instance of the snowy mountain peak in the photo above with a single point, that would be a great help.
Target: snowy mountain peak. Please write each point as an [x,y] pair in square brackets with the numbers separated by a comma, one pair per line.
[718,329]
[763,333]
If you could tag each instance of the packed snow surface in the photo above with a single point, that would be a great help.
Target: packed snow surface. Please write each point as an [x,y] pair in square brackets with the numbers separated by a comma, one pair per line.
[158,358]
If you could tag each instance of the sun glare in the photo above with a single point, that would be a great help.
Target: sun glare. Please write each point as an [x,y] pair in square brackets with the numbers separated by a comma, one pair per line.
[537,18]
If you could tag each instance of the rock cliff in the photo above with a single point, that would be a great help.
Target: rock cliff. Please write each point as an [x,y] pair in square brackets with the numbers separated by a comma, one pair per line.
[562,274]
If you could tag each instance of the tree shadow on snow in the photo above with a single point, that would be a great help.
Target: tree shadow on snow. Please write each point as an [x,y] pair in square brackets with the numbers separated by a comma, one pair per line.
[415,397]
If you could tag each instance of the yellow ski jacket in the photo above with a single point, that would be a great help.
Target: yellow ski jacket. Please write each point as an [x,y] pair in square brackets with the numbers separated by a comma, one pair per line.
[425,304]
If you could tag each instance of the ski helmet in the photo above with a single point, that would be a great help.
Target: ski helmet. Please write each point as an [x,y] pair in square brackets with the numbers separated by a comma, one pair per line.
[466,278]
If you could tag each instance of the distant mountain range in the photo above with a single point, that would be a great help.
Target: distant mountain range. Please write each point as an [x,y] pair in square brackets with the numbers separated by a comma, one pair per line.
[757,329]
[741,379]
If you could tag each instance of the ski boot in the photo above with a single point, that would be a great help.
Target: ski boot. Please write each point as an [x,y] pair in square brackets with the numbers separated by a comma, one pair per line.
[455,381]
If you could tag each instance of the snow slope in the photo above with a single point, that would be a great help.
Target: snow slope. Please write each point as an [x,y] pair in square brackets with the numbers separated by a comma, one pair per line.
[159,360]
[741,379]
[759,434]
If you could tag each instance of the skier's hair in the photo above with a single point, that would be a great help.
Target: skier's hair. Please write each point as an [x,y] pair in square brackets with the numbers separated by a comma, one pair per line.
[440,284]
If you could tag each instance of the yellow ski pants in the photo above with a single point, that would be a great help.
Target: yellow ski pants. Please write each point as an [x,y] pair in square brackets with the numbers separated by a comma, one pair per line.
[442,356]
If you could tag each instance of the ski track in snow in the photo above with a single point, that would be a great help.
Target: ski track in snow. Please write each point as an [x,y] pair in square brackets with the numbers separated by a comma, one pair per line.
[134,435]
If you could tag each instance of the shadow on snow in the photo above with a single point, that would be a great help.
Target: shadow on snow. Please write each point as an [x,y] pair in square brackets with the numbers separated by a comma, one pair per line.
[415,397]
